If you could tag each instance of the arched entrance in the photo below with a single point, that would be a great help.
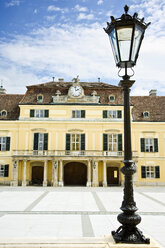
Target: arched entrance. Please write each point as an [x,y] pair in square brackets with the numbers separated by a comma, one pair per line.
[37,175]
[75,174]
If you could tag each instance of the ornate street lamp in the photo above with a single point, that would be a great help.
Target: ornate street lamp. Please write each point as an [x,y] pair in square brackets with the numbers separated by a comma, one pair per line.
[126,34]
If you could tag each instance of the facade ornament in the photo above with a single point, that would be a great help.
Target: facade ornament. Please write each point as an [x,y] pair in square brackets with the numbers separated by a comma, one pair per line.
[94,93]
[76,80]
[58,92]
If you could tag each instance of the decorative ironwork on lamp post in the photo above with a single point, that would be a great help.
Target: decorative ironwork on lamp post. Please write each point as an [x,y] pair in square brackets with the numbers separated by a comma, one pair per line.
[126,34]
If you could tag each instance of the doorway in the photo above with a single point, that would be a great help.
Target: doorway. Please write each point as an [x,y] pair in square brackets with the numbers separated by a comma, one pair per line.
[112,175]
[37,175]
[75,174]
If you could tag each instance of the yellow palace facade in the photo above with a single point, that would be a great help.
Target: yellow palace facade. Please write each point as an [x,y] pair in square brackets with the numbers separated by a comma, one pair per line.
[71,134]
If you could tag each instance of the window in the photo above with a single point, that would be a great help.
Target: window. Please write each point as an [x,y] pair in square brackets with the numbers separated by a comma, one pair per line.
[4,170]
[39,113]
[40,98]
[145,114]
[75,142]
[149,145]
[40,141]
[150,172]
[4,143]
[112,142]
[111,98]
[112,114]
[78,113]
[4,113]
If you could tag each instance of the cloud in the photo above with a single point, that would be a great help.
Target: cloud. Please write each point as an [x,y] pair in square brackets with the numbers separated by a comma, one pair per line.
[70,50]
[77,50]
[80,9]
[50,18]
[15,79]
[153,11]
[35,11]
[54,8]
[99,2]
[13,3]
[83,16]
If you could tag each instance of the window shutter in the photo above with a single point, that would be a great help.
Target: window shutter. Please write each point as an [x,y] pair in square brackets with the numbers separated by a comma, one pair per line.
[35,144]
[157,172]
[31,112]
[46,113]
[83,142]
[6,172]
[142,141]
[105,114]
[68,141]
[82,113]
[105,142]
[155,145]
[45,141]
[119,114]
[143,172]
[7,143]
[120,142]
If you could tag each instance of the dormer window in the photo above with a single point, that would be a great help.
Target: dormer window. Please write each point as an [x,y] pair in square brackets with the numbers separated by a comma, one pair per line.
[40,98]
[111,98]
[146,114]
[4,113]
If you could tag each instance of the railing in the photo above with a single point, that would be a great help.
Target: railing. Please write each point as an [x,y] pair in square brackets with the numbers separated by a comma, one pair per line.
[67,153]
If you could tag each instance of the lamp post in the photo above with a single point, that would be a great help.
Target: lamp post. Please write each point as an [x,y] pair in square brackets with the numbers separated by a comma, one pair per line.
[126,34]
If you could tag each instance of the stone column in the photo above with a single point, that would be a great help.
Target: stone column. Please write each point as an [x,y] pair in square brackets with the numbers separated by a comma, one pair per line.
[95,174]
[61,183]
[55,173]
[14,181]
[24,174]
[89,174]
[45,174]
[104,174]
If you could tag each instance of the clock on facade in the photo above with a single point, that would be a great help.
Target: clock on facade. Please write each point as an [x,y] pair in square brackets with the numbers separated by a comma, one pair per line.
[76,90]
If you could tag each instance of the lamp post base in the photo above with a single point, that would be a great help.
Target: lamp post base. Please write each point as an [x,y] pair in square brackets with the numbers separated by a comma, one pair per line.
[129,235]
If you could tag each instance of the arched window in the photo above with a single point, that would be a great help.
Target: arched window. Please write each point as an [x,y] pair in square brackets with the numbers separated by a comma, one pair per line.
[111,98]
[146,114]
[40,98]
[3,113]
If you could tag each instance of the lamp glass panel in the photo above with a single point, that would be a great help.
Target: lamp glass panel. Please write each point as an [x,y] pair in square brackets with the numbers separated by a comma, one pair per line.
[124,35]
[113,41]
[136,41]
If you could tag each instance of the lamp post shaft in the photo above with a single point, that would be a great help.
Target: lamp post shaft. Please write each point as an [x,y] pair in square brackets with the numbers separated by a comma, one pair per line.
[128,232]
[127,126]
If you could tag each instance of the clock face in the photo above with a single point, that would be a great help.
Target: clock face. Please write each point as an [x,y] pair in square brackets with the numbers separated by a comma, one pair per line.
[76,90]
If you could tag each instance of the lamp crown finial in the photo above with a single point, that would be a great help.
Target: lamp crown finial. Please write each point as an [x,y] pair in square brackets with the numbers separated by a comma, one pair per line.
[126,8]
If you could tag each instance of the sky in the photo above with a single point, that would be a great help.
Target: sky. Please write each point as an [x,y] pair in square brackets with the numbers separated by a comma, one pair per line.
[41,39]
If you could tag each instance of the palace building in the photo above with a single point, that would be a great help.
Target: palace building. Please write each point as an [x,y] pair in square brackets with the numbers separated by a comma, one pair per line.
[71,133]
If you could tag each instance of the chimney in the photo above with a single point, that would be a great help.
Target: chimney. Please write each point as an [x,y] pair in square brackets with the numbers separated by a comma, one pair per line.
[152,92]
[61,80]
[2,90]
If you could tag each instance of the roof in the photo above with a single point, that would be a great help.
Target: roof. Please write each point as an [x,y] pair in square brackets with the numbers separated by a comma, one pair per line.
[49,89]
[155,105]
[9,102]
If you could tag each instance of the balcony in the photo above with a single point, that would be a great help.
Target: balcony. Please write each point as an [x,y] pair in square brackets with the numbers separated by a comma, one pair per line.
[65,153]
